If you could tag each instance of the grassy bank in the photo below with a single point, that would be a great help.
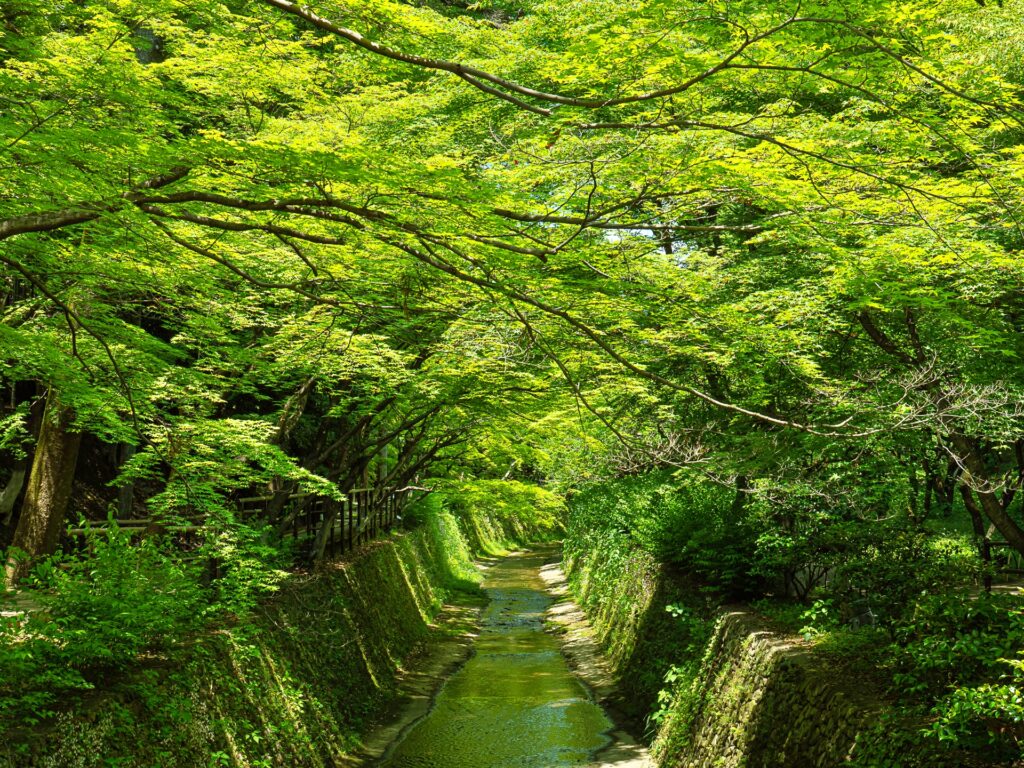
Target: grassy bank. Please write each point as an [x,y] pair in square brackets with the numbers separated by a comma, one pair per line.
[650,618]
[921,671]
[291,680]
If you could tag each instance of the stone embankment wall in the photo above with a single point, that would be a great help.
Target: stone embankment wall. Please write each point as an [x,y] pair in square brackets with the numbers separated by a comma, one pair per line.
[760,700]
[726,691]
[291,685]
[624,594]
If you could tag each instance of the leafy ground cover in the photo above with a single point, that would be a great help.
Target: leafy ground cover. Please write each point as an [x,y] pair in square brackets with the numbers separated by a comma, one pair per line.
[903,613]
[110,668]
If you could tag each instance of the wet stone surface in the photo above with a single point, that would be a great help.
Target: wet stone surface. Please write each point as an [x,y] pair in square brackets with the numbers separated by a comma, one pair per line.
[514,704]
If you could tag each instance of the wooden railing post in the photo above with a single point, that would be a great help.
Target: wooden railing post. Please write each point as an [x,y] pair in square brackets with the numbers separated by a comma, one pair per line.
[330,517]
[360,512]
[351,521]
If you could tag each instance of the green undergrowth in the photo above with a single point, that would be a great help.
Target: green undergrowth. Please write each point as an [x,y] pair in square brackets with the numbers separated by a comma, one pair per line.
[950,671]
[932,663]
[499,516]
[662,631]
[651,623]
[291,681]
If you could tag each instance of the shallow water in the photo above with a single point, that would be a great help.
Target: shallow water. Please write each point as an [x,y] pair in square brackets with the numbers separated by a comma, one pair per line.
[514,703]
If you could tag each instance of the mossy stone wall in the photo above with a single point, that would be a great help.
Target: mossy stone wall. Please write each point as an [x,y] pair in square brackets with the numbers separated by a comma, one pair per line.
[624,592]
[291,685]
[760,700]
[729,691]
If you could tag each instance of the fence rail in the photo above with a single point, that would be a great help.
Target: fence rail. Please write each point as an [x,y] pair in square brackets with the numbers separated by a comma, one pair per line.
[1006,559]
[320,526]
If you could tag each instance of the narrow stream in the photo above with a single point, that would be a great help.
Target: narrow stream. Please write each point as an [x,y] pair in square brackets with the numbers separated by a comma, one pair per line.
[514,703]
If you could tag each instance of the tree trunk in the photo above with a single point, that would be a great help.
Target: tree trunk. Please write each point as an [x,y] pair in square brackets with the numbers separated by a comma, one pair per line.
[739,499]
[323,533]
[126,492]
[10,493]
[48,492]
[978,524]
[1005,524]
[281,496]
[991,505]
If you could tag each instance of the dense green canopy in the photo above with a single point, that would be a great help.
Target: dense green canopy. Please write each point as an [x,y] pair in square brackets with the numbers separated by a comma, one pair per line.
[763,239]
[257,244]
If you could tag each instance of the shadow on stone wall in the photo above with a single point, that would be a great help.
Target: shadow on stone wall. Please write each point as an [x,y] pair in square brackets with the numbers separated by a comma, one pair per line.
[761,700]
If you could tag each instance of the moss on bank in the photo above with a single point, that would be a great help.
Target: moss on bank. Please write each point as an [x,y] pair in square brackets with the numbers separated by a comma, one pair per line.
[650,622]
[717,688]
[292,684]
[498,516]
[760,699]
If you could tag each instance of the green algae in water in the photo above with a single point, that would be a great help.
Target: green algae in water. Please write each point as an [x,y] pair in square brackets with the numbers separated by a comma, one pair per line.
[515,702]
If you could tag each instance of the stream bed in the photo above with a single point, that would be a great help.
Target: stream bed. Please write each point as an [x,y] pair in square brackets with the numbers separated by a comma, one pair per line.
[515,703]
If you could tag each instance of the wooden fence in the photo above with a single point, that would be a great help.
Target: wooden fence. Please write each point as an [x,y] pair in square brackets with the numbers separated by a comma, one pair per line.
[1006,559]
[321,527]
[337,527]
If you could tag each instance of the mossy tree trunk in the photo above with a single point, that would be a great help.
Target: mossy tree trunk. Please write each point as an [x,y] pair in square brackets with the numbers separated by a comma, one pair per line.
[48,492]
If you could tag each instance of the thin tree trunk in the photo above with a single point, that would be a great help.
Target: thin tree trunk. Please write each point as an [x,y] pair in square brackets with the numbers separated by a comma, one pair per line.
[991,505]
[11,492]
[978,524]
[126,492]
[48,492]
[739,499]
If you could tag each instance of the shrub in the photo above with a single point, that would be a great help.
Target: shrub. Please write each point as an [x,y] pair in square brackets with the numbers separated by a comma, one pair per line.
[94,614]
[892,567]
[687,522]
[985,716]
[952,641]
